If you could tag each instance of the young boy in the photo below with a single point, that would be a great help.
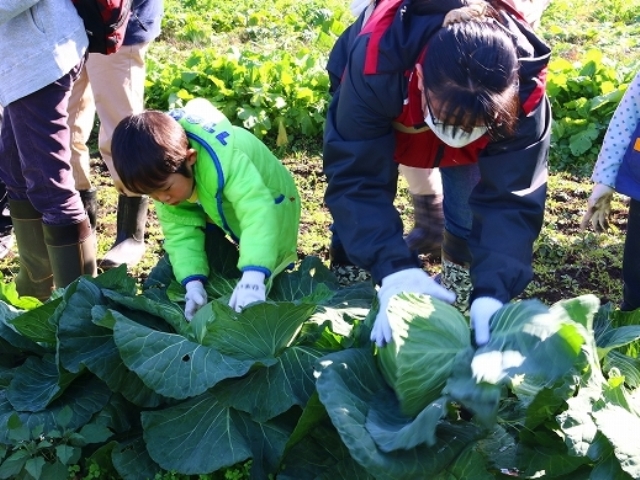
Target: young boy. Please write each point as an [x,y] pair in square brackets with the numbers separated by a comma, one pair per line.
[618,169]
[199,169]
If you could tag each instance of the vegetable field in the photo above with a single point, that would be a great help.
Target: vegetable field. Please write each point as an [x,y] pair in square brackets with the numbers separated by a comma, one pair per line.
[106,380]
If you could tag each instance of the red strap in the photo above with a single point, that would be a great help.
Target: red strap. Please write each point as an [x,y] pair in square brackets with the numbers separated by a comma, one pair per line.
[534,98]
[377,25]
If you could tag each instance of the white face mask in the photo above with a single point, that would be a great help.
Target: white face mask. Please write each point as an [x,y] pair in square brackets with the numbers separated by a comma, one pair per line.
[453,136]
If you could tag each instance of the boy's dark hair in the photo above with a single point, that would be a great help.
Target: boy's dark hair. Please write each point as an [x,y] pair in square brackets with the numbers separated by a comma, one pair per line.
[472,69]
[148,147]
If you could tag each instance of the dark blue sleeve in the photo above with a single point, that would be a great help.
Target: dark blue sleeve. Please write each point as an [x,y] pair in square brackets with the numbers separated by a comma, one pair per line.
[508,208]
[362,175]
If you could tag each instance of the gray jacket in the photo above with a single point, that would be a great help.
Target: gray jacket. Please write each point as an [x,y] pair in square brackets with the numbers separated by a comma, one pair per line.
[40,41]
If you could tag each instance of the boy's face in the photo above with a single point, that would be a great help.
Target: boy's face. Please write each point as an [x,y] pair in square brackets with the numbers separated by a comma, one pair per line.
[177,188]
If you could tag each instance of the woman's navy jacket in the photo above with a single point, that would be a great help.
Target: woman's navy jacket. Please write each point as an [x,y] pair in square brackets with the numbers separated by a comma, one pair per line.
[372,115]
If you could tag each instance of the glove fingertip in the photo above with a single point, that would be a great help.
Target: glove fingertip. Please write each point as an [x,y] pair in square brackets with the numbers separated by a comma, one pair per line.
[482,338]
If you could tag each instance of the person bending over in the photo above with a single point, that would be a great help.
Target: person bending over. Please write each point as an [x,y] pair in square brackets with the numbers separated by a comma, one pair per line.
[200,169]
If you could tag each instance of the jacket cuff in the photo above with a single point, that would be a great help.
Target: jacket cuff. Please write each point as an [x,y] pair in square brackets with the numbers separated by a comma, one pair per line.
[255,268]
[190,278]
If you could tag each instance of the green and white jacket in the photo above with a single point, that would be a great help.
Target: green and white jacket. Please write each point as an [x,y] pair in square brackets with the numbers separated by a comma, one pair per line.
[239,186]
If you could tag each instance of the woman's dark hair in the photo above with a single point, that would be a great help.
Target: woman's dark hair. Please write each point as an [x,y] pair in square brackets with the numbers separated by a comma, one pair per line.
[471,67]
[148,147]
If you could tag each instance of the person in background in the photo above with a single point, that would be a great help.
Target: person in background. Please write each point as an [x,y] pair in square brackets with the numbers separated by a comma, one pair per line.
[41,53]
[449,84]
[202,171]
[113,85]
[6,227]
[618,169]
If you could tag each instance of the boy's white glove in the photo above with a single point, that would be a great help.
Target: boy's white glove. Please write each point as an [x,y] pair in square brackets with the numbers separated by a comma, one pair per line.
[195,298]
[598,207]
[481,311]
[411,280]
[250,289]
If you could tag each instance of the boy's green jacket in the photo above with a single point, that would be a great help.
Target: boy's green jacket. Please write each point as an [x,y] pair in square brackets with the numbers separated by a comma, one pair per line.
[239,186]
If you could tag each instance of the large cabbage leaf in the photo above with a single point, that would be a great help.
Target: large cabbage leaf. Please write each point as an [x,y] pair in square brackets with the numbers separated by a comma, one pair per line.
[427,336]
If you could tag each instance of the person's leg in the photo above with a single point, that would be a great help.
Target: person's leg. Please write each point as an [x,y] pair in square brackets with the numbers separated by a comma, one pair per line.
[345,271]
[41,135]
[458,182]
[82,113]
[631,260]
[118,87]
[425,188]
[6,228]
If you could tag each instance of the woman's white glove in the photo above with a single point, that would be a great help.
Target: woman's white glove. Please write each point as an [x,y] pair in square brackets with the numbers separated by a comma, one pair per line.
[598,207]
[250,289]
[411,280]
[195,298]
[481,311]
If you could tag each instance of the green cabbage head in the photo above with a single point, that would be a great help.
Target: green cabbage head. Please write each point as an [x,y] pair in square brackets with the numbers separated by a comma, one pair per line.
[427,335]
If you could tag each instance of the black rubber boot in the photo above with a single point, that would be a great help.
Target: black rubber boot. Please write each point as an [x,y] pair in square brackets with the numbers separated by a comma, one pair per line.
[72,251]
[129,246]
[35,278]
[426,236]
[455,276]
[90,202]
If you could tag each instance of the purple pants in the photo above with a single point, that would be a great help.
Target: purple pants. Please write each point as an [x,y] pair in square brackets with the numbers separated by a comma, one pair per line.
[35,154]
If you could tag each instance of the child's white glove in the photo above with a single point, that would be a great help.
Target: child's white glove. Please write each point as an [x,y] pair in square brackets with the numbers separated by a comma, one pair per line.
[411,280]
[598,207]
[250,289]
[481,311]
[195,298]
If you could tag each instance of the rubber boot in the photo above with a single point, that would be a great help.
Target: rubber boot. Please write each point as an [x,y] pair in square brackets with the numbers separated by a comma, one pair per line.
[426,236]
[129,246]
[455,276]
[90,202]
[344,270]
[35,278]
[72,251]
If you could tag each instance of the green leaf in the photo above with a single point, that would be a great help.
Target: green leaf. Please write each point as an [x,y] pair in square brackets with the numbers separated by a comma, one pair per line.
[36,324]
[531,347]
[14,464]
[37,382]
[347,383]
[9,333]
[34,466]
[428,334]
[625,440]
[93,433]
[198,435]
[167,311]
[55,471]
[321,454]
[166,362]
[64,417]
[17,431]
[393,431]
[85,397]
[78,336]
[278,387]
[260,332]
[132,461]
[116,279]
[9,294]
[66,454]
